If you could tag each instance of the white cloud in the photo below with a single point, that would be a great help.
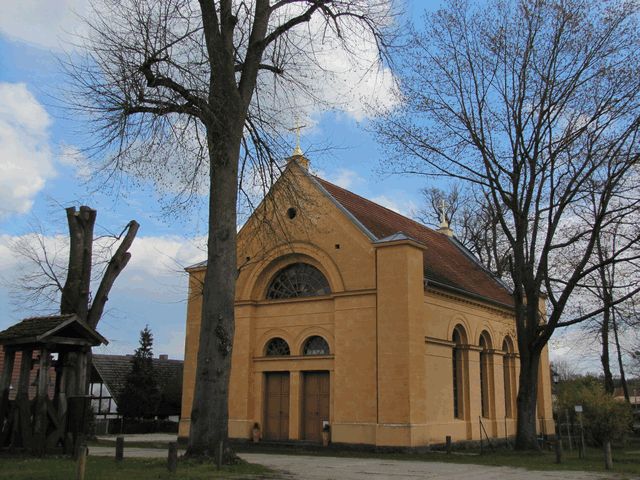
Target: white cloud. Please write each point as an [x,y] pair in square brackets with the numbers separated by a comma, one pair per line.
[48,24]
[327,73]
[71,156]
[25,156]
[403,208]
[158,261]
[345,178]
[576,348]
[151,290]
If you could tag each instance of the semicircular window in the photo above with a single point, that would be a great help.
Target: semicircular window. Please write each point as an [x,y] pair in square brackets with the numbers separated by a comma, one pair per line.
[316,346]
[277,347]
[298,280]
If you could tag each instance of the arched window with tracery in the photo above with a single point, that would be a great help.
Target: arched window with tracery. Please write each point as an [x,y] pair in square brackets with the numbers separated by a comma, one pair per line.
[457,361]
[315,345]
[277,347]
[507,371]
[298,280]
[485,393]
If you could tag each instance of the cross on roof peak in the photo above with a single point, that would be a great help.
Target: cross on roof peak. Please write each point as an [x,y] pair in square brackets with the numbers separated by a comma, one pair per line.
[297,151]
[443,214]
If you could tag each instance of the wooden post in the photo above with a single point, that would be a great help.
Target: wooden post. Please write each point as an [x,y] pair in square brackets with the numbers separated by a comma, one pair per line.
[448,443]
[558,449]
[608,459]
[119,448]
[569,429]
[5,382]
[81,462]
[61,401]
[172,457]
[506,432]
[582,452]
[220,452]
[480,431]
[23,425]
[40,415]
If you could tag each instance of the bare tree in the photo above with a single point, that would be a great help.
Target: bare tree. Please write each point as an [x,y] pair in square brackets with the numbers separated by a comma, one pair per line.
[535,102]
[475,222]
[564,370]
[607,283]
[60,277]
[192,95]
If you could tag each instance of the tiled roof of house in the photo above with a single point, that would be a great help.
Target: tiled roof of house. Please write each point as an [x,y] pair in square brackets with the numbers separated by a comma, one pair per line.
[446,261]
[113,371]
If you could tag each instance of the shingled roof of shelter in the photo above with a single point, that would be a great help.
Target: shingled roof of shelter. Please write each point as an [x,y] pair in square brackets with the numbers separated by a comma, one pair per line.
[113,371]
[38,329]
[33,327]
[446,261]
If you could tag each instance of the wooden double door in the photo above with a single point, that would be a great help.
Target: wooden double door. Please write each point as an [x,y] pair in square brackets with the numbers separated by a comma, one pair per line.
[276,406]
[315,405]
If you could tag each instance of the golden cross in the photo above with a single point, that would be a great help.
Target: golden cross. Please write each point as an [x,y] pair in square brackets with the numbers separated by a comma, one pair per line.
[297,128]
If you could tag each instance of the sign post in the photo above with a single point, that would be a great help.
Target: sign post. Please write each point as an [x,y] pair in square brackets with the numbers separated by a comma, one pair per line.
[578,410]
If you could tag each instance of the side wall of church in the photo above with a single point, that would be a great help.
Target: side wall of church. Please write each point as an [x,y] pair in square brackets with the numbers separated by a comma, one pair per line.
[442,314]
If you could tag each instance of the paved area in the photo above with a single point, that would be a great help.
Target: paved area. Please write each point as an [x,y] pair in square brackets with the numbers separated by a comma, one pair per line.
[130,452]
[331,468]
[142,437]
[300,467]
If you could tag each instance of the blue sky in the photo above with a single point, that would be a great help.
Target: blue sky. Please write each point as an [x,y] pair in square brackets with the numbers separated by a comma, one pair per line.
[41,173]
[39,152]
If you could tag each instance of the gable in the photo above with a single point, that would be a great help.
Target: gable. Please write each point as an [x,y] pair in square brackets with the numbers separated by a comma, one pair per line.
[321,233]
[342,220]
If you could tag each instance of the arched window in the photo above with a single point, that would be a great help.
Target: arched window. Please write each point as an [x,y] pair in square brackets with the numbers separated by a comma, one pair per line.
[485,394]
[507,369]
[457,361]
[298,280]
[316,345]
[277,347]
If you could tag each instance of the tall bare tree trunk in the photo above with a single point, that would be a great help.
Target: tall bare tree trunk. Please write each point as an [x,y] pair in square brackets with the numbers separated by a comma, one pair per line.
[604,357]
[526,431]
[623,377]
[217,327]
[76,290]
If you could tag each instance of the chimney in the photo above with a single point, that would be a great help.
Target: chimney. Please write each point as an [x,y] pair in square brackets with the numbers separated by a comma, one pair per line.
[164,356]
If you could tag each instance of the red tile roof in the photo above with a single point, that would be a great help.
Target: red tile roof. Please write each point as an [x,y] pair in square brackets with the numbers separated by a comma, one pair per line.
[446,261]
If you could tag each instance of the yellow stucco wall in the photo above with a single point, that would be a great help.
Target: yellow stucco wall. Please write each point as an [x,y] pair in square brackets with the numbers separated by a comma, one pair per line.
[390,343]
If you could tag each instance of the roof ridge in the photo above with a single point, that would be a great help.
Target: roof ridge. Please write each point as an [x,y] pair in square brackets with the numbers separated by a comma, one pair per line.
[421,225]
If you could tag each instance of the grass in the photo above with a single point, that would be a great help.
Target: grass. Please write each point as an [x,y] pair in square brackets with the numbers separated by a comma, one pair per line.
[104,468]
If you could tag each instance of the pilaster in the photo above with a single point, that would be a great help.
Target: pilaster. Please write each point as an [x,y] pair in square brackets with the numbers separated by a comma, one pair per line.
[400,342]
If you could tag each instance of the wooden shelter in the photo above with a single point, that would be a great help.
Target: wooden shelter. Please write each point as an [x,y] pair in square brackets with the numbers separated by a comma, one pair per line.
[43,423]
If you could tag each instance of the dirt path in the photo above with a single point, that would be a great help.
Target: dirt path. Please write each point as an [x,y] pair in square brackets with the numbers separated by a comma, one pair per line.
[300,467]
[330,468]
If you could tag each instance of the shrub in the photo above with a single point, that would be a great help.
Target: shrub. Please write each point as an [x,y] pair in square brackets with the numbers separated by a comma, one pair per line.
[604,418]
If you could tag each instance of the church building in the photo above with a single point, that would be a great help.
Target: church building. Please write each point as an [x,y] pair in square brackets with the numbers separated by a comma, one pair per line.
[351,315]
